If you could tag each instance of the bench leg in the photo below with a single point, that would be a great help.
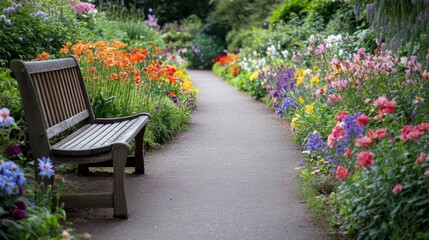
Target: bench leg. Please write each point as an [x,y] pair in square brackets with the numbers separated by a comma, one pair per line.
[83,169]
[120,154]
[139,141]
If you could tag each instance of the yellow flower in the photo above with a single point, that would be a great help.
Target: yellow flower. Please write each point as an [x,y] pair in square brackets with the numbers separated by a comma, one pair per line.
[309,108]
[299,75]
[254,75]
[301,100]
[294,123]
[315,80]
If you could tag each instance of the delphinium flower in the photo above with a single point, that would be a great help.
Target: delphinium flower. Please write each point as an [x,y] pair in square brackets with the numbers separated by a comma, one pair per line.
[5,119]
[287,106]
[316,143]
[45,167]
[280,81]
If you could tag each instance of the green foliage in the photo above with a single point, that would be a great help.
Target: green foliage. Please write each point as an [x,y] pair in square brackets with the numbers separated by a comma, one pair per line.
[402,24]
[287,10]
[29,35]
[204,49]
[127,26]
[10,97]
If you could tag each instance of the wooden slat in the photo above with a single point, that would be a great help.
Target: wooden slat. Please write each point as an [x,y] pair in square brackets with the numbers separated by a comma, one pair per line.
[49,65]
[66,124]
[133,130]
[79,95]
[57,86]
[37,82]
[88,140]
[111,134]
[70,141]
[65,91]
[87,200]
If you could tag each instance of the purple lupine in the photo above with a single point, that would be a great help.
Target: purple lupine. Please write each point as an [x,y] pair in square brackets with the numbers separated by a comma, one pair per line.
[288,105]
[316,143]
[280,81]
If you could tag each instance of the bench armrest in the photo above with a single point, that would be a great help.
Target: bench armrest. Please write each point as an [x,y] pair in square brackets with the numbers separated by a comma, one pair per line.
[120,119]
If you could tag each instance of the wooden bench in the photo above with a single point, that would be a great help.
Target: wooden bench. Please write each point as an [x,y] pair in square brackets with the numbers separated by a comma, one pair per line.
[55,99]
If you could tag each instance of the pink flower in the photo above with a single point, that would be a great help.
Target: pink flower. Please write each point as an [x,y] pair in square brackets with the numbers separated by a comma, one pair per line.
[341,115]
[380,101]
[363,142]
[422,158]
[381,133]
[423,127]
[426,172]
[334,98]
[365,159]
[342,84]
[337,133]
[408,132]
[385,106]
[342,173]
[320,49]
[362,120]
[397,188]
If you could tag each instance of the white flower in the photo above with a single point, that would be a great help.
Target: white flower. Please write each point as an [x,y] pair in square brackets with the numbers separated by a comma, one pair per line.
[271,50]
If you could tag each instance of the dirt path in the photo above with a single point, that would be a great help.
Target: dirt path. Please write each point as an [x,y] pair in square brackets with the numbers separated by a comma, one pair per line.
[230,176]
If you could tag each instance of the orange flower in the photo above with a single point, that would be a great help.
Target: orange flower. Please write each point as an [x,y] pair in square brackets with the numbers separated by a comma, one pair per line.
[91,70]
[43,56]
[114,76]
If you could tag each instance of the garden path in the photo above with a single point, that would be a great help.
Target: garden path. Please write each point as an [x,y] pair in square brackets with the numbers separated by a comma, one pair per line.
[230,176]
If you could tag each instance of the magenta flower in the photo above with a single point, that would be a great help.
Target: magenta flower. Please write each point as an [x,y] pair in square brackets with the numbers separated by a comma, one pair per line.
[13,149]
[18,214]
[397,188]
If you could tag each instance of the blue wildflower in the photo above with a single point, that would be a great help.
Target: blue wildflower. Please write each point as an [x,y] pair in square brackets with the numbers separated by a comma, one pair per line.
[45,167]
[3,18]
[316,143]
[5,119]
[10,176]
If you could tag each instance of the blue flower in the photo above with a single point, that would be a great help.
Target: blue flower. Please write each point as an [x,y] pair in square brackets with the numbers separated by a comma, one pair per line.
[10,176]
[40,14]
[5,119]
[316,143]
[45,167]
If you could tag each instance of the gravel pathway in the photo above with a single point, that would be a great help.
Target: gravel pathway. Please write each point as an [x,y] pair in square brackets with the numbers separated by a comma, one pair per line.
[230,176]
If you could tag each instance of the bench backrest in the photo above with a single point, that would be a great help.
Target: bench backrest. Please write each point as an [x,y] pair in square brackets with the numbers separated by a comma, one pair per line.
[54,98]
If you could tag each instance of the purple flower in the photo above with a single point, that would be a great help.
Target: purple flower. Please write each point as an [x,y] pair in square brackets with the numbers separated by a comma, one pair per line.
[18,214]
[45,167]
[288,105]
[152,21]
[2,17]
[40,14]
[280,82]
[316,143]
[157,108]
[8,23]
[21,205]
[13,149]
[5,119]
[46,19]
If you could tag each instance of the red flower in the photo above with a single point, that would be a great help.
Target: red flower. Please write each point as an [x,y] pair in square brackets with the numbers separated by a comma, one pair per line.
[365,159]
[408,132]
[397,188]
[363,142]
[421,159]
[362,120]
[384,106]
[342,173]
[336,134]
[348,153]
[341,116]
[423,127]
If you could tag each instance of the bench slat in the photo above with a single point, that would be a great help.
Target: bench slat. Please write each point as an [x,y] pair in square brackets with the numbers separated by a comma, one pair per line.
[58,128]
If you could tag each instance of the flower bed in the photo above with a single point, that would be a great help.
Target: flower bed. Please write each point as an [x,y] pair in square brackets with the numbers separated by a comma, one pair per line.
[362,120]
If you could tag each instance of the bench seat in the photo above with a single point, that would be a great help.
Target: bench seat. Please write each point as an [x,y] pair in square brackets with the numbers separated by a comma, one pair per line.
[100,136]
